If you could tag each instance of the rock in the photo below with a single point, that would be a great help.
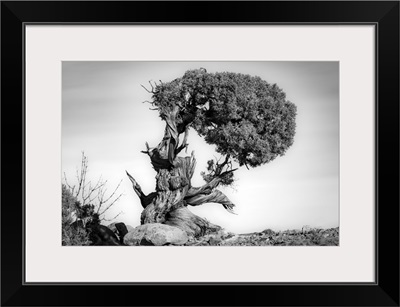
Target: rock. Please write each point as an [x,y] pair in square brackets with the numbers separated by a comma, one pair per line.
[122,231]
[155,234]
[268,232]
[102,235]
[306,229]
[224,234]
[232,239]
[130,228]
[114,228]
[214,240]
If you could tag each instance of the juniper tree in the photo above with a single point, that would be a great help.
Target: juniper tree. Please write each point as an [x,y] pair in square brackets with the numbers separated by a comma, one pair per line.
[248,120]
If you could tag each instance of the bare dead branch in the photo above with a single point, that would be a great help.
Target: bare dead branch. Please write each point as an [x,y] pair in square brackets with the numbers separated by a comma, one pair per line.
[136,187]
[87,193]
[82,176]
[72,188]
[219,167]
[152,87]
[148,149]
[113,193]
[229,208]
[146,89]
[91,191]
[111,204]
[215,196]
[100,197]
[109,220]
[145,200]
[228,171]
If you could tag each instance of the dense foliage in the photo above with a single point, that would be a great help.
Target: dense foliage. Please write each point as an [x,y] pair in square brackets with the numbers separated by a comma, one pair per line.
[88,211]
[72,210]
[71,235]
[247,118]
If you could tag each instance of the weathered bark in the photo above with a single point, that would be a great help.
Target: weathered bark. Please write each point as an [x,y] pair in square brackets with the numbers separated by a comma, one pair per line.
[215,196]
[173,184]
[145,200]
[192,224]
[171,188]
[208,194]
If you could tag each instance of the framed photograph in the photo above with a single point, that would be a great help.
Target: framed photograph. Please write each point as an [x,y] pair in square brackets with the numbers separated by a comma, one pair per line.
[175,153]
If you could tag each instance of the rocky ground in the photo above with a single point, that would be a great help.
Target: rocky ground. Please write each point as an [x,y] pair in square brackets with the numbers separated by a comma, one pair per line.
[161,234]
[304,237]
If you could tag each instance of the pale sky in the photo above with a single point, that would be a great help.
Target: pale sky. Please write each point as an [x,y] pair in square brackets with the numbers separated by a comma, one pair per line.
[103,114]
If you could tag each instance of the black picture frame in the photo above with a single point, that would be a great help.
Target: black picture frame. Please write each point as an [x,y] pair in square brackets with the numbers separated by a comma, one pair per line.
[383,14]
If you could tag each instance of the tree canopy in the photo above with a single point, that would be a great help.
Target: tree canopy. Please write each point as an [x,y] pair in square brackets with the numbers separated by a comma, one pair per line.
[248,119]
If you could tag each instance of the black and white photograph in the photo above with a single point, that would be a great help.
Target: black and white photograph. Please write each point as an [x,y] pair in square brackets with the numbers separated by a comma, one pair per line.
[250,146]
[211,153]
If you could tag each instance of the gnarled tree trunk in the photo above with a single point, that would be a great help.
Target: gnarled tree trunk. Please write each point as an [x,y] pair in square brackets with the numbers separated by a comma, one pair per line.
[174,192]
